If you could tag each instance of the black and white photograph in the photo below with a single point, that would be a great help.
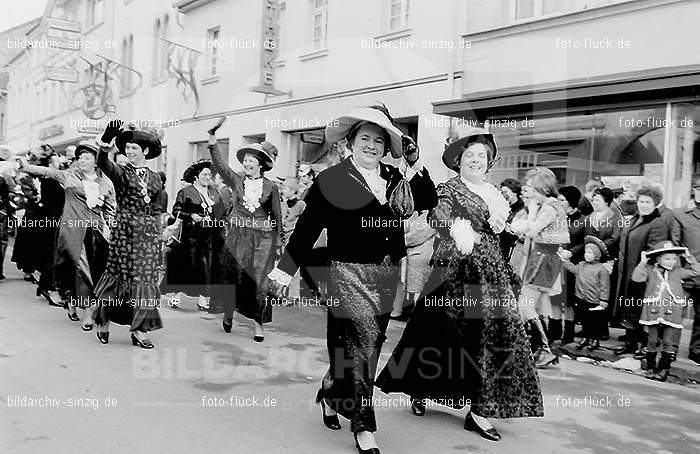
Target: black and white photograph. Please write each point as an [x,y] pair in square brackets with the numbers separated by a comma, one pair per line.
[349,226]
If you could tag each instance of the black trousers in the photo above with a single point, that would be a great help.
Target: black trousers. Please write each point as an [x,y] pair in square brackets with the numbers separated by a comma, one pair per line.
[593,323]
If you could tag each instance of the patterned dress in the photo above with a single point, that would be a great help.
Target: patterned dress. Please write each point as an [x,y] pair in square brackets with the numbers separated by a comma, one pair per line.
[128,292]
[465,343]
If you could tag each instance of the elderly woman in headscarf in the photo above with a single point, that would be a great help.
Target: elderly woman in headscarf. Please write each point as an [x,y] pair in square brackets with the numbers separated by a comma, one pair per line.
[362,203]
[189,262]
[128,293]
[465,344]
[83,238]
[254,234]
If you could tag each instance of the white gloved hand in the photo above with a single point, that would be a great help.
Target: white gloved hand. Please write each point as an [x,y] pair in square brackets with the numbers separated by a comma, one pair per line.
[463,234]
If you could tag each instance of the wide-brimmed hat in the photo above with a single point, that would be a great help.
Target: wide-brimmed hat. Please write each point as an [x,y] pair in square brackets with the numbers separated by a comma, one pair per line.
[666,247]
[265,152]
[86,146]
[192,172]
[142,138]
[453,151]
[599,243]
[339,128]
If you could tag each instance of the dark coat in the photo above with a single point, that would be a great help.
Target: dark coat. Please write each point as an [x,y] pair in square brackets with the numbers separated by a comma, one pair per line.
[689,224]
[507,239]
[359,228]
[674,228]
[608,230]
[577,232]
[424,192]
[642,234]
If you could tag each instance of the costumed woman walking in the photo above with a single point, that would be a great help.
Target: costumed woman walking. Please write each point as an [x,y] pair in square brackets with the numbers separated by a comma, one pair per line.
[189,263]
[254,234]
[127,293]
[83,237]
[361,202]
[472,348]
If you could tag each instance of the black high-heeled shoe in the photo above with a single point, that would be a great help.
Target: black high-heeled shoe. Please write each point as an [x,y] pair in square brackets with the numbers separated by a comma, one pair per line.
[471,425]
[45,294]
[418,406]
[227,326]
[141,343]
[332,421]
[73,317]
[103,337]
[365,451]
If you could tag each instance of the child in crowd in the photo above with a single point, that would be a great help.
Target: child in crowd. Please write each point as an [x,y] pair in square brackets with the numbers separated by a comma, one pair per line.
[663,269]
[592,289]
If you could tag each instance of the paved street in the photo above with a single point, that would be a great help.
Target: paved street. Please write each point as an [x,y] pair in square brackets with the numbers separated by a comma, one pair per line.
[202,391]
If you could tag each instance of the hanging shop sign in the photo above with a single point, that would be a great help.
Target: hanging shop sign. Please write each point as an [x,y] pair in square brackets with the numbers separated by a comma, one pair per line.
[61,74]
[50,131]
[269,48]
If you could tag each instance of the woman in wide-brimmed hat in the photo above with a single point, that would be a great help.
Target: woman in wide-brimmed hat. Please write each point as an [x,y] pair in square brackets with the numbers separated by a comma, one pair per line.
[362,203]
[189,262]
[128,293]
[471,348]
[83,238]
[253,234]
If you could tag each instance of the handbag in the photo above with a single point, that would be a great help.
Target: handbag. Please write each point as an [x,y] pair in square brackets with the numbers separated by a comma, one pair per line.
[401,199]
[172,233]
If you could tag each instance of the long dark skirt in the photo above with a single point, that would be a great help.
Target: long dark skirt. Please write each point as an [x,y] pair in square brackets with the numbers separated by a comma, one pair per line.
[189,265]
[356,331]
[32,241]
[78,278]
[247,258]
[465,345]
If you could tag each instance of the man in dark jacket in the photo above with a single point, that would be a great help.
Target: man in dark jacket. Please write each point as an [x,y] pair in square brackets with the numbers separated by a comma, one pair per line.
[689,221]
[674,228]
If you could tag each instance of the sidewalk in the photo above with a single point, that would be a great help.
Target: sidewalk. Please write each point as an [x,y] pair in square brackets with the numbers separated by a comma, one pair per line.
[683,371]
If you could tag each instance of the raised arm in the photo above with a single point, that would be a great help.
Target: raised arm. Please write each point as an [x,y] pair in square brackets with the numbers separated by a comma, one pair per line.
[55,174]
[113,171]
[229,177]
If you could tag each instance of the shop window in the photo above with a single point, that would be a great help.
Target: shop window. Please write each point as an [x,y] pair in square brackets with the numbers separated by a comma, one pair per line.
[201,150]
[577,148]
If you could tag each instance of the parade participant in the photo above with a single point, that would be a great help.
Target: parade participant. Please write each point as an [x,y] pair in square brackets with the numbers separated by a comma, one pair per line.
[254,234]
[6,208]
[360,202]
[292,207]
[127,293]
[644,230]
[664,302]
[592,289]
[83,238]
[306,177]
[415,267]
[512,191]
[37,236]
[546,227]
[471,347]
[189,263]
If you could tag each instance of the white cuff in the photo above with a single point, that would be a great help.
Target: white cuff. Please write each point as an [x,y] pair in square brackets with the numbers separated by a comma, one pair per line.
[280,277]
[464,236]
[100,143]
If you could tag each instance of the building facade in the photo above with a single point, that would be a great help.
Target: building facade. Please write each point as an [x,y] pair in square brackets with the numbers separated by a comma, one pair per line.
[590,89]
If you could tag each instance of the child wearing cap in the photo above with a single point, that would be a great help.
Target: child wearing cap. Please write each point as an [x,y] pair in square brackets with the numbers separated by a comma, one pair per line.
[663,269]
[592,289]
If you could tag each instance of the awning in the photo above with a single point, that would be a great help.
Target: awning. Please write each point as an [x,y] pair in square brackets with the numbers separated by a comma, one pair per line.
[579,96]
